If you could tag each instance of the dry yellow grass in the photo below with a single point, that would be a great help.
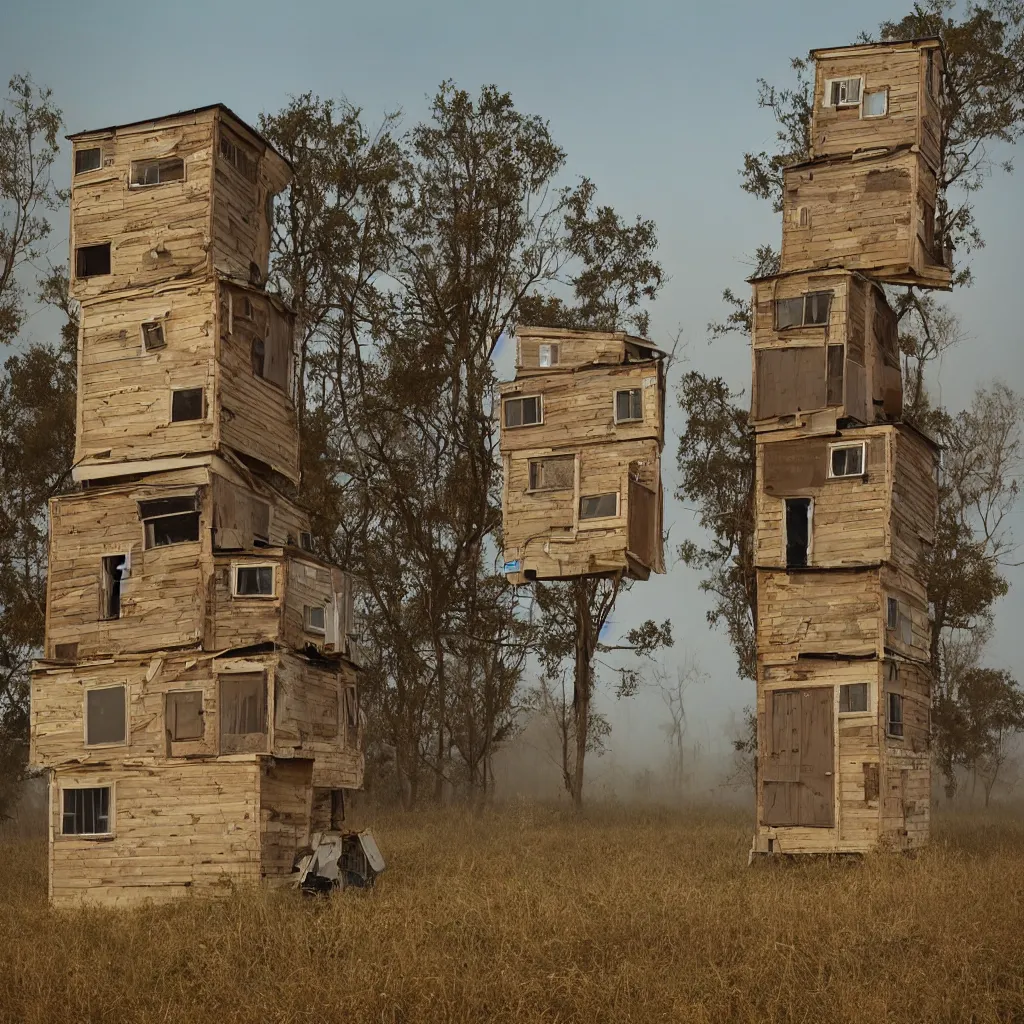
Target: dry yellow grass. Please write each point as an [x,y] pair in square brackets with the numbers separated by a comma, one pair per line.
[532,914]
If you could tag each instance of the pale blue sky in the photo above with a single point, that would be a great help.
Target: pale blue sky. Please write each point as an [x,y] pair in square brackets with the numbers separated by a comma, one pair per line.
[653,100]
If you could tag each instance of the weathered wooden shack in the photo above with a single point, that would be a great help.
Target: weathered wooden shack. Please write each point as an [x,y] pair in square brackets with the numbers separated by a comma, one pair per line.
[846,493]
[582,428]
[196,704]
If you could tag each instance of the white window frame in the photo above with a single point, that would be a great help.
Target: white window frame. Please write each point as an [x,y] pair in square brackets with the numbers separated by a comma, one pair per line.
[272,566]
[554,354]
[63,787]
[599,522]
[857,714]
[307,626]
[862,445]
[615,405]
[521,398]
[85,719]
[884,90]
[827,98]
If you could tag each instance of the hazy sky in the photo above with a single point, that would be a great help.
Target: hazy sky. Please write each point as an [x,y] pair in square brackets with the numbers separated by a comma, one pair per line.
[653,100]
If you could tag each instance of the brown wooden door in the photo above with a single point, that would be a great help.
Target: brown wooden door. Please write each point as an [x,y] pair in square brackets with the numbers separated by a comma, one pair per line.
[796,777]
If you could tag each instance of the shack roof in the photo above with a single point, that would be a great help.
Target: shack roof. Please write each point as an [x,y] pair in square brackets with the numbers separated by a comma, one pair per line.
[919,42]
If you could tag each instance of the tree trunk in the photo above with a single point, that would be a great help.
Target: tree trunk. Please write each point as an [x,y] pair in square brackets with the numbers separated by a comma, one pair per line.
[581,687]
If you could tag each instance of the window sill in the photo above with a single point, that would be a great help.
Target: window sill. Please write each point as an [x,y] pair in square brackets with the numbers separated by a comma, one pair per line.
[856,714]
[621,423]
[254,597]
[522,426]
[549,490]
[604,523]
[105,746]
[92,837]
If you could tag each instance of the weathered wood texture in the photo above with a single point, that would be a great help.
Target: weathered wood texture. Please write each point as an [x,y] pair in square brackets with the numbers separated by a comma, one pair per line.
[212,218]
[791,365]
[911,115]
[176,829]
[602,414]
[286,798]
[872,214]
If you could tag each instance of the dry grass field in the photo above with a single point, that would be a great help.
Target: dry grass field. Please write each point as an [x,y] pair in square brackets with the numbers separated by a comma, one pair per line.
[533,914]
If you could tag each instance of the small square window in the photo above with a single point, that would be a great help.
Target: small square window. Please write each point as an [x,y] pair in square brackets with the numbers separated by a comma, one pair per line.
[553,474]
[876,103]
[105,716]
[853,697]
[547,355]
[254,581]
[169,521]
[315,619]
[92,260]
[153,336]
[186,404]
[184,715]
[846,460]
[629,406]
[789,312]
[523,412]
[894,714]
[88,159]
[843,92]
[599,506]
[86,812]
[816,307]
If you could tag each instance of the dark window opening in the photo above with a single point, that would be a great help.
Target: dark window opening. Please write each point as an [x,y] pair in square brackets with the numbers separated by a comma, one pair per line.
[88,160]
[105,715]
[810,310]
[554,474]
[169,521]
[157,172]
[351,707]
[892,613]
[258,355]
[853,697]
[599,506]
[238,158]
[894,714]
[629,406]
[315,618]
[254,581]
[337,808]
[92,260]
[66,652]
[183,715]
[112,572]
[847,460]
[798,532]
[243,711]
[153,335]
[523,412]
[305,540]
[86,812]
[186,404]
[834,359]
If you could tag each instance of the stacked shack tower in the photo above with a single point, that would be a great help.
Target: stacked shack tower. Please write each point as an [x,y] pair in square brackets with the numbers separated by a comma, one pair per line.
[845,491]
[195,706]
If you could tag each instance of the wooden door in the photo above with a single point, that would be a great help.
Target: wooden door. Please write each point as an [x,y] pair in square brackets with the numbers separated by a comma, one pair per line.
[797,771]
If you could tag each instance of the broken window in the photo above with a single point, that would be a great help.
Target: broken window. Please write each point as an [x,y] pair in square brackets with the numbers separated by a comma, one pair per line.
[157,172]
[254,581]
[547,355]
[86,812]
[554,474]
[314,617]
[834,365]
[629,406]
[186,404]
[599,506]
[113,569]
[853,697]
[810,310]
[183,715]
[105,716]
[169,521]
[523,412]
[88,159]
[243,711]
[798,532]
[876,103]
[842,92]
[153,336]
[894,714]
[92,260]
[846,459]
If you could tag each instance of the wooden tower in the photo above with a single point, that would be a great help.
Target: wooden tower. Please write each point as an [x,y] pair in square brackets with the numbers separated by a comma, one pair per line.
[195,707]
[846,492]
[582,428]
